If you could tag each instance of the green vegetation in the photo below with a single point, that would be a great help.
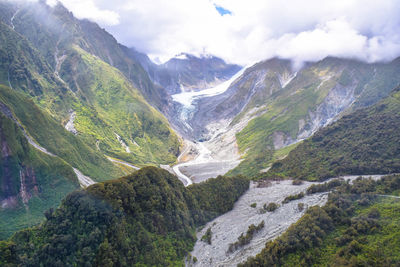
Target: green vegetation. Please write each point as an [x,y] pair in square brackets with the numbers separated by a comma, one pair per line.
[46,180]
[245,239]
[364,142]
[98,79]
[297,182]
[26,71]
[52,136]
[147,218]
[270,207]
[293,197]
[300,206]
[288,110]
[253,205]
[325,187]
[114,107]
[42,94]
[207,236]
[357,227]
[217,196]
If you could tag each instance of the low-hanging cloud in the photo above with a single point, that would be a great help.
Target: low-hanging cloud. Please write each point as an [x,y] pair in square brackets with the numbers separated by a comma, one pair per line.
[301,30]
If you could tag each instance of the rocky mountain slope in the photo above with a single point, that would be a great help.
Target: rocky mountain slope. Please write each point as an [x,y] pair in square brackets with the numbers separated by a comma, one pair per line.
[277,106]
[363,142]
[78,97]
[80,75]
[186,72]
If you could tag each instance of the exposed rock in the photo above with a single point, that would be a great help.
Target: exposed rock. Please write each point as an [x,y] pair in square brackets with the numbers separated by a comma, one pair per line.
[338,99]
[28,184]
[243,215]
[70,127]
[9,203]
[123,144]
[281,140]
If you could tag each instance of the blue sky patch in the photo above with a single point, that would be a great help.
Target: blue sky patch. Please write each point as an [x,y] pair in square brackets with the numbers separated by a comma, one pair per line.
[222,10]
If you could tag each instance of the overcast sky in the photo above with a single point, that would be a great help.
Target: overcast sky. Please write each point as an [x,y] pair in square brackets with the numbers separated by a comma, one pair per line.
[244,31]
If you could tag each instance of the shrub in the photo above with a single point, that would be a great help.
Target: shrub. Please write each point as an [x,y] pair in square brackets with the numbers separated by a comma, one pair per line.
[297,182]
[300,206]
[207,236]
[245,239]
[271,207]
[293,197]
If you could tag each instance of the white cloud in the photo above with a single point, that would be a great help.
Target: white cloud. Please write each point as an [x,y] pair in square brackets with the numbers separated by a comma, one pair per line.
[256,29]
[89,9]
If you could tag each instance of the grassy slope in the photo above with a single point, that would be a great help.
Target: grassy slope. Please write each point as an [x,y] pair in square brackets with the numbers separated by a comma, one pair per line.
[285,107]
[104,99]
[117,107]
[364,142]
[22,67]
[48,133]
[284,110]
[54,179]
[147,218]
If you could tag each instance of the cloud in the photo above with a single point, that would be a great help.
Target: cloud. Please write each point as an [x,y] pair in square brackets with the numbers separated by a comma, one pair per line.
[253,30]
[88,9]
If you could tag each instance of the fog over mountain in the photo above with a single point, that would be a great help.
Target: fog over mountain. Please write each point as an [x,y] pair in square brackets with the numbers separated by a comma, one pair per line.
[250,31]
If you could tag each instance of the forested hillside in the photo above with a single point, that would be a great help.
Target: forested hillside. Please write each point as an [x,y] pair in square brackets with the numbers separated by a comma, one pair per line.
[359,226]
[33,181]
[147,218]
[363,142]
[69,87]
[29,179]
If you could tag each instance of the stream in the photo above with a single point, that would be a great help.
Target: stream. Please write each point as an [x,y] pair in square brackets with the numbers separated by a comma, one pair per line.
[204,165]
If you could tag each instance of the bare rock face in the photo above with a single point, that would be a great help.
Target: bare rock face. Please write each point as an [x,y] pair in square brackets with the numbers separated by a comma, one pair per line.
[28,184]
[338,99]
[17,181]
[281,140]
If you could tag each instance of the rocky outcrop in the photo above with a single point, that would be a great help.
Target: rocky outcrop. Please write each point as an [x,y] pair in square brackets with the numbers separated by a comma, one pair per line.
[187,72]
[28,184]
[17,181]
[338,99]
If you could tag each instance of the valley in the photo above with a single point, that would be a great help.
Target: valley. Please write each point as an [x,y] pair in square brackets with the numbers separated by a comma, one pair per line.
[214,154]
[114,157]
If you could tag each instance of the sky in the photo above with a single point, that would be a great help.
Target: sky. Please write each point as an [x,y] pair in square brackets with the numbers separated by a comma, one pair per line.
[245,31]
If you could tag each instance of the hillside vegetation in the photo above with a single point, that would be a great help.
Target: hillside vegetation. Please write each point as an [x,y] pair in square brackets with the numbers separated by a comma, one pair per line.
[309,100]
[30,181]
[47,132]
[66,65]
[147,218]
[357,227]
[363,142]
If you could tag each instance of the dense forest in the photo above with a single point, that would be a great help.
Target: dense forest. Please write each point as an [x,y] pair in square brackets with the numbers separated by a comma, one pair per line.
[363,142]
[147,218]
[359,226]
